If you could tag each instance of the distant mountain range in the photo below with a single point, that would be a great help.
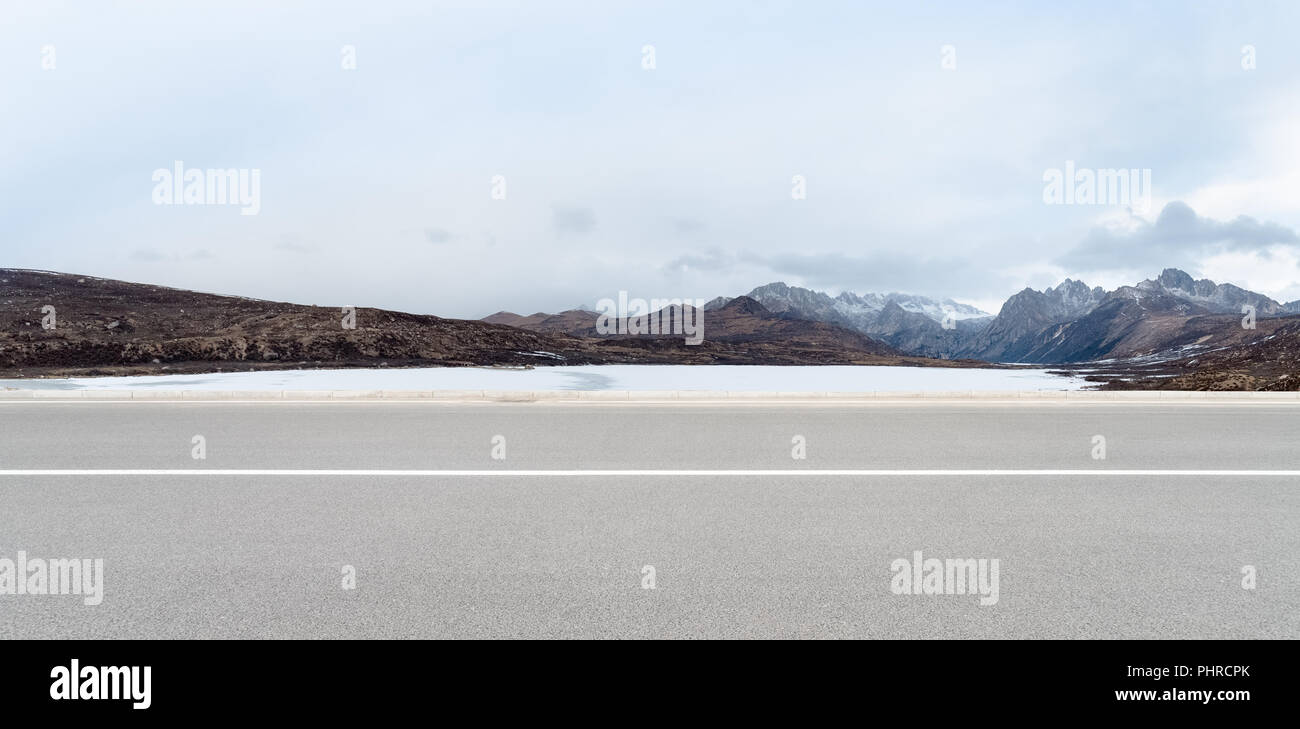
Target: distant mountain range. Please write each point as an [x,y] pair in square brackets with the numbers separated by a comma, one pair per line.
[1160,315]
[1067,323]
[901,322]
[1171,320]
[912,324]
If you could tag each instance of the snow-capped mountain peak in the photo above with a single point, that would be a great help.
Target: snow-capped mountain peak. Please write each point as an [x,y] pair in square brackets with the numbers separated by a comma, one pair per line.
[857,310]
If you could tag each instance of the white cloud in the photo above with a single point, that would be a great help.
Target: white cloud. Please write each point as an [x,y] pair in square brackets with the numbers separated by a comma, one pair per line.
[1274,272]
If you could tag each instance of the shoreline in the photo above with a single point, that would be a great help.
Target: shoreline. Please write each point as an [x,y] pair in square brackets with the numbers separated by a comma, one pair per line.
[648,396]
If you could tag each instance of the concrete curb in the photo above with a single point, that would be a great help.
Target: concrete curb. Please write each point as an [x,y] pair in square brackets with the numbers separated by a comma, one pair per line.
[659,396]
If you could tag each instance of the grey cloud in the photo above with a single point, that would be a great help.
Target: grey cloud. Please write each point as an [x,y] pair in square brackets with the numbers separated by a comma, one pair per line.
[573,219]
[710,260]
[1178,237]
[437,235]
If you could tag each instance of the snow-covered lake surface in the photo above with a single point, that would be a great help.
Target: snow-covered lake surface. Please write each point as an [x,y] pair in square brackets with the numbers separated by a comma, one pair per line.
[591,377]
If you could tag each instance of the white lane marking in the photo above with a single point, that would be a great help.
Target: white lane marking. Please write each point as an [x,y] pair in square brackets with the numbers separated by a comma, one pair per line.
[640,472]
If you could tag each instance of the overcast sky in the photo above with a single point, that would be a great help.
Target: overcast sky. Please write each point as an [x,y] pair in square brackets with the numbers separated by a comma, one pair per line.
[924,166]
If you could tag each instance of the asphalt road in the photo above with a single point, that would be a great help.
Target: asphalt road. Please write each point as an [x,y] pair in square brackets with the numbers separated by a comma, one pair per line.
[1080,555]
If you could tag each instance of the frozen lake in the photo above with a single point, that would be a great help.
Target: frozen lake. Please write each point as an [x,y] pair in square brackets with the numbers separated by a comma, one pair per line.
[591,377]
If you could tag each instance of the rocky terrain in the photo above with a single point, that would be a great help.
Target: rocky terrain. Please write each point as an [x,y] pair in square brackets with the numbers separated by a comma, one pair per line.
[1026,314]
[1270,362]
[107,327]
[1267,358]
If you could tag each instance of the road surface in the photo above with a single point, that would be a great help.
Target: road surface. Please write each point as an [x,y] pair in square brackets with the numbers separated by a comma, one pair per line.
[744,540]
